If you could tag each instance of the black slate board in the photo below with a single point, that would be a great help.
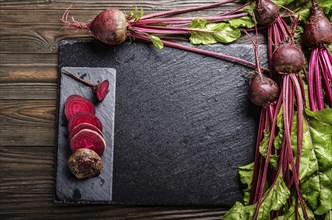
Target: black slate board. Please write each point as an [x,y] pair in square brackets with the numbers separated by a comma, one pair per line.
[183,123]
[68,189]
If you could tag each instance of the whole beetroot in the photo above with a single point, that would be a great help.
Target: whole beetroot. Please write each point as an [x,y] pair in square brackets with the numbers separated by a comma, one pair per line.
[288,58]
[262,90]
[84,163]
[318,30]
[110,26]
[266,12]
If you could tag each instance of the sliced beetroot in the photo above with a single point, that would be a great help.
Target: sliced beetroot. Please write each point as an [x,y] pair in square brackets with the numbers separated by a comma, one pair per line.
[85,163]
[82,126]
[88,139]
[102,90]
[84,117]
[77,104]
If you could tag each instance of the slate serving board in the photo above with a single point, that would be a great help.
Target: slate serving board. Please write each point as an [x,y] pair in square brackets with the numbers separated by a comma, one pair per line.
[183,123]
[97,189]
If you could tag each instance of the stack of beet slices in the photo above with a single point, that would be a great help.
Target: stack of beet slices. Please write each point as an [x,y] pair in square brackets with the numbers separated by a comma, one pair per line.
[85,138]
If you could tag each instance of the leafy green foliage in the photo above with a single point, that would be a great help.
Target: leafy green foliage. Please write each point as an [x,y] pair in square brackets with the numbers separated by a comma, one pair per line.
[156,42]
[289,214]
[243,22]
[246,173]
[273,161]
[212,33]
[273,199]
[319,184]
[136,14]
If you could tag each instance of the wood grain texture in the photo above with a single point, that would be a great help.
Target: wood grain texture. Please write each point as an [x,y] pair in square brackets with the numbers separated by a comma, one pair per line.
[29,36]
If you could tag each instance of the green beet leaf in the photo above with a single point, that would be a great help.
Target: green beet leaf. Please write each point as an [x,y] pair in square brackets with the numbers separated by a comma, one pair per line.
[214,33]
[243,22]
[156,42]
[280,124]
[316,189]
[239,211]
[273,199]
[246,173]
[289,214]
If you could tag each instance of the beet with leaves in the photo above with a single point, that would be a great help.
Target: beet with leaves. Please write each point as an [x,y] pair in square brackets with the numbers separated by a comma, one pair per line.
[113,27]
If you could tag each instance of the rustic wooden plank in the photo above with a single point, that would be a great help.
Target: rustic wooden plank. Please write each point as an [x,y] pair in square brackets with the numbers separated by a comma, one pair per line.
[149,5]
[27,122]
[36,73]
[28,60]
[28,90]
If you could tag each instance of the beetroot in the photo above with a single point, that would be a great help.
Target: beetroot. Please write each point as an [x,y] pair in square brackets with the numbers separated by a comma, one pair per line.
[89,139]
[110,26]
[76,104]
[84,117]
[82,126]
[288,58]
[262,90]
[318,30]
[101,89]
[84,163]
[266,12]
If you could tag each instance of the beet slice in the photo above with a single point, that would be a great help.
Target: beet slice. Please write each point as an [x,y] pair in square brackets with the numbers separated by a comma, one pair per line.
[84,117]
[89,139]
[82,126]
[102,90]
[76,104]
[85,163]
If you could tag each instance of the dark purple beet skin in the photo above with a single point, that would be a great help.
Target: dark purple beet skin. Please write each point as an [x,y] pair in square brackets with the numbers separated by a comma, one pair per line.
[109,26]
[266,12]
[262,90]
[288,58]
[318,30]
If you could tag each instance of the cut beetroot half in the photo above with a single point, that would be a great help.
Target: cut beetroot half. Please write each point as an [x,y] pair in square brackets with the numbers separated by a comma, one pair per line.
[76,104]
[88,139]
[82,126]
[84,117]
[102,90]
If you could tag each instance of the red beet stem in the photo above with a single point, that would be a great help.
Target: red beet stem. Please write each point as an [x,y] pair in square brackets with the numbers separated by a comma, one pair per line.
[266,163]
[312,62]
[178,11]
[287,133]
[199,51]
[79,79]
[236,9]
[185,20]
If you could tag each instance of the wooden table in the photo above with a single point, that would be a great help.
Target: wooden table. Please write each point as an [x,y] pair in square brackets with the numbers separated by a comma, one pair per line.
[29,34]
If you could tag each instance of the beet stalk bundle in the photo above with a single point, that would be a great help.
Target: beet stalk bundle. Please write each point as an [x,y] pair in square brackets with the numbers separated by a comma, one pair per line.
[317,36]
[267,14]
[288,60]
[113,27]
